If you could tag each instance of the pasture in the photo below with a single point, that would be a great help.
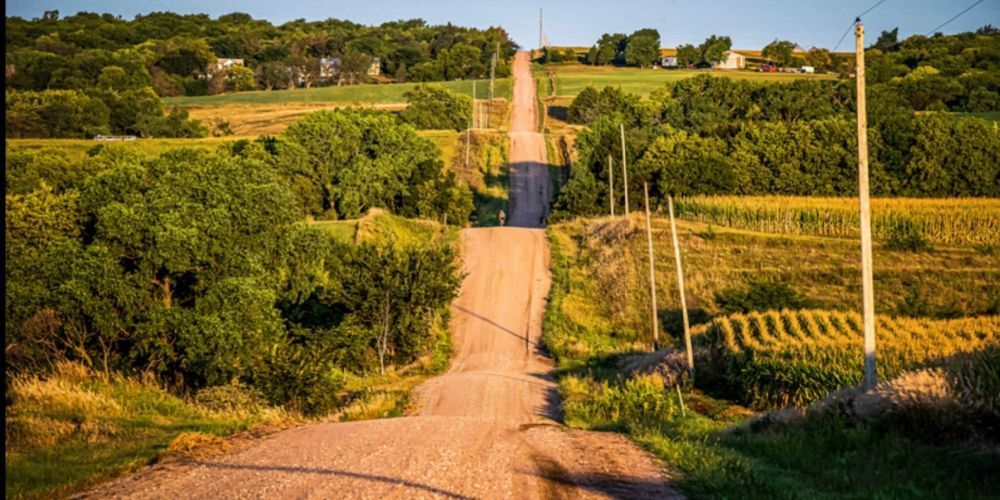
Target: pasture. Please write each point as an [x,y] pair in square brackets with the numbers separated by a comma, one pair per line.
[366,94]
[570,78]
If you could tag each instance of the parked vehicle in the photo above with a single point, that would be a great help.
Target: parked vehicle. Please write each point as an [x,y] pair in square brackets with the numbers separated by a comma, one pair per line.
[768,68]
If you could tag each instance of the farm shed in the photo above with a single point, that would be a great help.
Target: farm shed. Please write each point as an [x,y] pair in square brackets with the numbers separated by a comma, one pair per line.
[733,60]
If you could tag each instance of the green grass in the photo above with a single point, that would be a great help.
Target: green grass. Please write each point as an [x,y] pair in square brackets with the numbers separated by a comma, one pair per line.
[571,78]
[380,226]
[76,149]
[993,116]
[74,429]
[391,93]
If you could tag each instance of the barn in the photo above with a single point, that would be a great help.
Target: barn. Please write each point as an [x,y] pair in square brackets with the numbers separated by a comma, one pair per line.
[733,60]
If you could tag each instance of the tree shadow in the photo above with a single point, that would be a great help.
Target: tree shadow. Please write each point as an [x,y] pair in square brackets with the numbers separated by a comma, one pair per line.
[331,472]
[557,112]
[488,206]
[567,484]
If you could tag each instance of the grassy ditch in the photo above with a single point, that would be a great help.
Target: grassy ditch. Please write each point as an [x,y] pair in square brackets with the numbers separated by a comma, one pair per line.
[73,428]
[596,327]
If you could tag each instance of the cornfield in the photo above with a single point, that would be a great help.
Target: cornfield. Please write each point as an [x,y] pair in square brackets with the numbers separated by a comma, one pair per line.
[777,358]
[953,221]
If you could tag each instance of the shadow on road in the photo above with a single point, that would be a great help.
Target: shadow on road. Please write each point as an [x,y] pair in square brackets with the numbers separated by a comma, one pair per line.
[331,472]
[495,324]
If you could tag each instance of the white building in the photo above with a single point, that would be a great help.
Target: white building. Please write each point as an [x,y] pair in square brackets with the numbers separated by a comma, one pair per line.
[222,64]
[808,69]
[732,61]
[669,62]
[329,67]
[376,67]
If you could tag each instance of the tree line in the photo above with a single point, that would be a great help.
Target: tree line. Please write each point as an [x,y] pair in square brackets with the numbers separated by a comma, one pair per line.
[197,266]
[708,135]
[174,53]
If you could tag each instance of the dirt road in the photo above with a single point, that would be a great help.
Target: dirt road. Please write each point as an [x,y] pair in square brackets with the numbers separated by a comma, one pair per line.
[486,429]
[530,185]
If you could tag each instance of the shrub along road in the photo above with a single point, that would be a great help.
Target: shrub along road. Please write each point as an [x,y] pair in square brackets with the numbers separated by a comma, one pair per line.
[487,428]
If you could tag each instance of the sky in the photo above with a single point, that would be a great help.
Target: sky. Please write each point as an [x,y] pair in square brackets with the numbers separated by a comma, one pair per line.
[750,24]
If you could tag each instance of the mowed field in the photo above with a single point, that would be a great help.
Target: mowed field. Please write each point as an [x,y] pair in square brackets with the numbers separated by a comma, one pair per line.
[571,78]
[269,112]
[367,94]
[76,149]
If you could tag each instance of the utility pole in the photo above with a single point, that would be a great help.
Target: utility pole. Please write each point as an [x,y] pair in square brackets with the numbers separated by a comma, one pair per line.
[611,185]
[867,288]
[652,272]
[541,43]
[624,170]
[493,74]
[680,287]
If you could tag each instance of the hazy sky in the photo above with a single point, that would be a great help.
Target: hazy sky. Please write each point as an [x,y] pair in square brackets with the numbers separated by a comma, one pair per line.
[751,24]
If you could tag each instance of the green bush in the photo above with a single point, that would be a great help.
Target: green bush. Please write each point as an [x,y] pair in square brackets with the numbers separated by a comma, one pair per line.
[759,295]
[591,103]
[54,113]
[436,108]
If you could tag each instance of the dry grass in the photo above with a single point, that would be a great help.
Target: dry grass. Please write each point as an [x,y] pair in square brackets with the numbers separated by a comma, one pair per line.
[264,119]
[71,428]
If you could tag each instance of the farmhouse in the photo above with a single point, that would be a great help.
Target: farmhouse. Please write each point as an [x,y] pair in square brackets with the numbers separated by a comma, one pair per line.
[733,60]
[222,64]
[329,67]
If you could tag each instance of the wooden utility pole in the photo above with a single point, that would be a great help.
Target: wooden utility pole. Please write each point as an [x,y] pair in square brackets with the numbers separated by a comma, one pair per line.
[624,170]
[680,287]
[867,288]
[652,272]
[611,185]
[541,43]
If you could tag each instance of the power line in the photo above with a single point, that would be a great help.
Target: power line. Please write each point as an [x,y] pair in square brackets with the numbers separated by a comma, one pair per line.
[858,17]
[956,16]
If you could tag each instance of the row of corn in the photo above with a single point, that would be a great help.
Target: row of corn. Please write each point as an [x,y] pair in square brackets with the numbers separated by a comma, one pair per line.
[949,221]
[779,358]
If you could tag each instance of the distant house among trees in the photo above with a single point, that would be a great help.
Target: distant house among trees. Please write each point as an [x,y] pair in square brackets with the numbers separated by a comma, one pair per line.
[376,68]
[329,67]
[222,64]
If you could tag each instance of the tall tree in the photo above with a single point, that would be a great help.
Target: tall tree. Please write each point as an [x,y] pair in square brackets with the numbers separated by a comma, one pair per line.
[643,47]
[780,52]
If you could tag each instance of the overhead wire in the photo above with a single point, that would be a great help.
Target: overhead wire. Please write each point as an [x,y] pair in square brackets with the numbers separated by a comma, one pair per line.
[856,19]
[956,16]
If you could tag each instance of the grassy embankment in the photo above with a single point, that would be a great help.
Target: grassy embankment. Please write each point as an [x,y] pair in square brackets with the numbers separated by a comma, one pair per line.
[269,112]
[598,315]
[73,428]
